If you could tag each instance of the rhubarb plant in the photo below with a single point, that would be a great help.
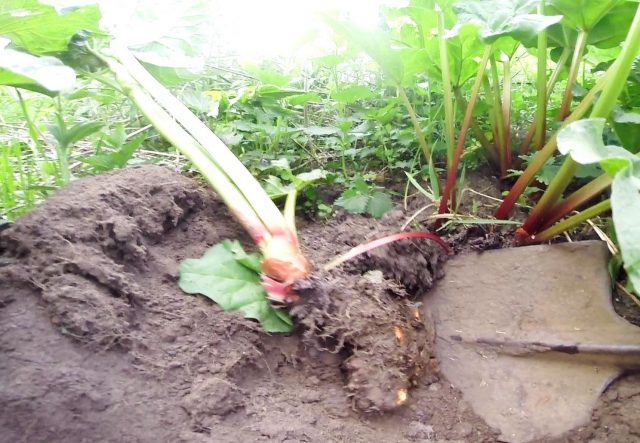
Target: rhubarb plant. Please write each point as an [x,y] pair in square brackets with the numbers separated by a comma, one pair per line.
[141,44]
[173,42]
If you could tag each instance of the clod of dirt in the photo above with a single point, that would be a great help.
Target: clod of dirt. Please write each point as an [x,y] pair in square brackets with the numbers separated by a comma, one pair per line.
[373,322]
[102,255]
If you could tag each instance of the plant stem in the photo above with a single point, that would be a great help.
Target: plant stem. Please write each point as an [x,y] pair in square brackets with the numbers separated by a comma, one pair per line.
[506,109]
[524,147]
[545,153]
[581,43]
[216,149]
[36,149]
[290,210]
[365,247]
[615,83]
[186,144]
[587,192]
[477,131]
[416,124]
[446,83]
[569,223]
[551,195]
[541,80]
[498,114]
[452,168]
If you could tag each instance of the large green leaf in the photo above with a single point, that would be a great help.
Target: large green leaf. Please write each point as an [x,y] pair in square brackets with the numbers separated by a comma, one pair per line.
[42,74]
[627,127]
[376,44]
[228,276]
[582,14]
[40,29]
[625,205]
[583,141]
[605,30]
[499,18]
[164,33]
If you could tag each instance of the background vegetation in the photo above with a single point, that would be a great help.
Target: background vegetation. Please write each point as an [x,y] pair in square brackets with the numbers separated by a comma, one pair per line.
[437,89]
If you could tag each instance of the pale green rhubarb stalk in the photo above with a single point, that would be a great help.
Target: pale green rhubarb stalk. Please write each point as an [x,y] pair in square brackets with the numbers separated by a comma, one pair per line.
[273,232]
[446,85]
[283,263]
[452,168]
[541,80]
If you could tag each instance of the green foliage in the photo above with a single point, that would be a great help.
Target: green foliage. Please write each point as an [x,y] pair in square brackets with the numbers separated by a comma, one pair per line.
[23,22]
[338,121]
[361,198]
[229,277]
[625,204]
[47,75]
[504,18]
[121,150]
[627,128]
[583,141]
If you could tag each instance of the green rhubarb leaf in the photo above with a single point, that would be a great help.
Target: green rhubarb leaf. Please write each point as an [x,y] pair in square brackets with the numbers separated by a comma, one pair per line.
[625,205]
[41,29]
[582,140]
[582,14]
[627,127]
[499,18]
[164,33]
[378,45]
[41,74]
[229,277]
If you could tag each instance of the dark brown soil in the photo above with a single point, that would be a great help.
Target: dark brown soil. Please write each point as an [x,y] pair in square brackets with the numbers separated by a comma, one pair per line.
[99,344]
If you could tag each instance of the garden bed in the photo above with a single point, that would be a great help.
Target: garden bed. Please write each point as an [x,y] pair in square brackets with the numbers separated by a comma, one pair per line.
[99,343]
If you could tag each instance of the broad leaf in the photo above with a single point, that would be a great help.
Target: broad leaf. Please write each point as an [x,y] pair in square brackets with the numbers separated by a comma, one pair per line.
[309,177]
[80,131]
[625,205]
[164,33]
[40,29]
[627,127]
[605,30]
[301,99]
[41,74]
[379,204]
[376,44]
[361,198]
[271,92]
[353,201]
[499,18]
[319,131]
[117,159]
[229,278]
[583,141]
[352,94]
[582,14]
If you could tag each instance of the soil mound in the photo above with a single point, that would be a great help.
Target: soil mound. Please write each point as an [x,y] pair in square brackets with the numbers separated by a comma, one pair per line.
[99,344]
